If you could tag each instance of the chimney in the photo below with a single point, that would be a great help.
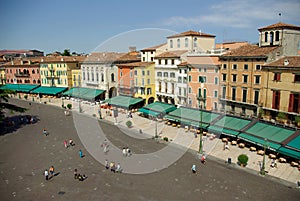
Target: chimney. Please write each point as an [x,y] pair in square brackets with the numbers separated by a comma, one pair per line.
[286,62]
[62,59]
[22,63]
[12,62]
[132,49]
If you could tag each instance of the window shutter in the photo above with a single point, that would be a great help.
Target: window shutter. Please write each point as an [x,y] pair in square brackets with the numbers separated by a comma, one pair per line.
[291,102]
[274,99]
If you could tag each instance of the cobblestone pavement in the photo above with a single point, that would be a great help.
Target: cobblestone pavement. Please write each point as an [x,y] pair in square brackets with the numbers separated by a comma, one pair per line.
[26,152]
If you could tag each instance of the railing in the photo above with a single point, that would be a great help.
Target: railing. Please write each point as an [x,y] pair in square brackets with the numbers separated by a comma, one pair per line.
[22,74]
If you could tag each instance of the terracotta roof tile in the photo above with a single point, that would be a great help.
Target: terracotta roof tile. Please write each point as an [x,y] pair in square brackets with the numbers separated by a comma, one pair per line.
[171,54]
[191,33]
[250,51]
[28,61]
[153,48]
[287,62]
[64,59]
[280,25]
[105,57]
[136,64]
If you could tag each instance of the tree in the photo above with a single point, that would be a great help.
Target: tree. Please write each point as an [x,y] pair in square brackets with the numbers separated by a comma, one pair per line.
[4,96]
[66,52]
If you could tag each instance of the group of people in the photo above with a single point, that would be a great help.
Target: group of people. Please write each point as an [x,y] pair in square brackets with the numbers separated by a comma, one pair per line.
[80,177]
[126,151]
[49,174]
[113,167]
[68,143]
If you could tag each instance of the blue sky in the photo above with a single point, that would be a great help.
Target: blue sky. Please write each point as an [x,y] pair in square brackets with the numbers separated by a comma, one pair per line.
[89,25]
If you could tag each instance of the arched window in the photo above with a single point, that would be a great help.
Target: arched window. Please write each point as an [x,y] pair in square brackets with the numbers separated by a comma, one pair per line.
[195,42]
[34,81]
[266,36]
[277,36]
[178,43]
[171,43]
[186,42]
[271,38]
[112,77]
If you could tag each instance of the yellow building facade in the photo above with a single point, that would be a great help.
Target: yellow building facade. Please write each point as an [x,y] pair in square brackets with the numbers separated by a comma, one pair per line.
[57,71]
[76,78]
[2,76]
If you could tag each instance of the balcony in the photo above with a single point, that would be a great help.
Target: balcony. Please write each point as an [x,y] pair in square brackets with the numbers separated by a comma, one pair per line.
[22,75]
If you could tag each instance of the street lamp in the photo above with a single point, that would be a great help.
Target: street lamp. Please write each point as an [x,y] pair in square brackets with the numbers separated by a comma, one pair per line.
[200,99]
[156,136]
[263,168]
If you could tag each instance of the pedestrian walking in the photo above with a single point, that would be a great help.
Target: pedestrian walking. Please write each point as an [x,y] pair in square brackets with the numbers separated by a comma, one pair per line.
[66,144]
[124,151]
[194,169]
[51,171]
[105,146]
[106,164]
[112,167]
[203,159]
[46,174]
[71,143]
[45,132]
[80,153]
[118,168]
[75,174]
[128,152]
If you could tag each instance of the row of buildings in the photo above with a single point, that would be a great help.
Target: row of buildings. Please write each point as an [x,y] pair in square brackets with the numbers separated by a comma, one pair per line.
[189,70]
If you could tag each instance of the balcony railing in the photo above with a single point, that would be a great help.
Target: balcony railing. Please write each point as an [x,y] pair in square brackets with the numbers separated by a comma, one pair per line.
[22,74]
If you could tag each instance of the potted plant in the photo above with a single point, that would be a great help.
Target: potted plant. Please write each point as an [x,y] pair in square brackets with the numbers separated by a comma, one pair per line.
[129,124]
[281,117]
[69,106]
[242,160]
[261,113]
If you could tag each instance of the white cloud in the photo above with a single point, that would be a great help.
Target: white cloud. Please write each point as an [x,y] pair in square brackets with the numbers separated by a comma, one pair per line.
[241,14]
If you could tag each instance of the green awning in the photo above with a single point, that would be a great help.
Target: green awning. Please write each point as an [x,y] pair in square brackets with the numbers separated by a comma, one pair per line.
[271,132]
[160,107]
[125,101]
[294,143]
[198,124]
[148,112]
[289,152]
[84,93]
[215,129]
[235,123]
[49,90]
[230,132]
[24,88]
[259,141]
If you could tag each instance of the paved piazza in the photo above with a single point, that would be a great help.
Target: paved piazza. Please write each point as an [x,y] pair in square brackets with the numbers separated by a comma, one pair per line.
[26,153]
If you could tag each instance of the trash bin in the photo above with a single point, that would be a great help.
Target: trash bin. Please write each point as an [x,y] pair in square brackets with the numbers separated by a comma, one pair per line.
[229,160]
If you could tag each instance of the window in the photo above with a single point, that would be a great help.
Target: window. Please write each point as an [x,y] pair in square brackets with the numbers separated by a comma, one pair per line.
[172,75]
[152,58]
[224,92]
[178,43]
[159,61]
[159,86]
[184,91]
[136,81]
[148,81]
[144,59]
[173,61]
[112,76]
[88,76]
[135,72]
[224,66]
[216,94]
[200,69]
[190,90]
[179,91]
[234,66]
[148,72]
[121,72]
[294,103]
[216,80]
[179,79]
[102,77]
[143,81]
[256,96]
[277,77]
[149,91]
[224,77]
[257,79]
[184,79]
[143,72]
[190,78]
[159,74]
[97,77]
[266,36]
[171,43]
[234,77]
[216,70]
[166,61]
[245,66]
[83,75]
[165,74]
[245,78]
[201,79]
[257,67]
[276,100]
[92,76]
[166,87]
[244,95]
[297,78]
[205,70]
[233,93]
[131,73]
[277,36]
[173,88]
[33,72]
[195,42]
[271,37]
[186,42]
